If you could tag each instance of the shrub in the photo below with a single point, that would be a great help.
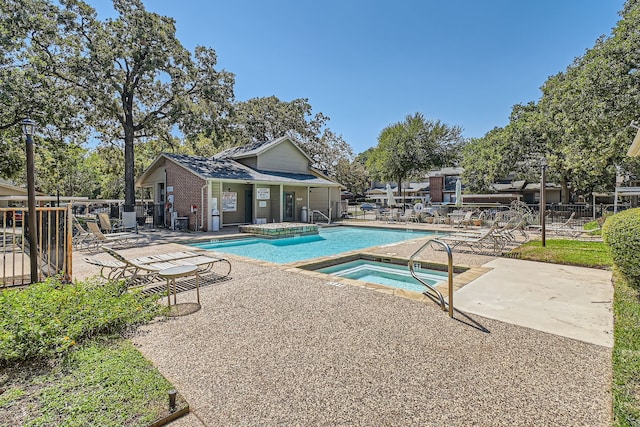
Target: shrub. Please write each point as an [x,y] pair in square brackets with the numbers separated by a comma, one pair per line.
[48,318]
[621,232]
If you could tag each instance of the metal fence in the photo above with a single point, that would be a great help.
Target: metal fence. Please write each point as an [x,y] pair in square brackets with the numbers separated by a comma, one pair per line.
[555,212]
[53,239]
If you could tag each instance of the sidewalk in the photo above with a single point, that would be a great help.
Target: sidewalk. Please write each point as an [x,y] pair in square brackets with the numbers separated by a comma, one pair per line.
[572,302]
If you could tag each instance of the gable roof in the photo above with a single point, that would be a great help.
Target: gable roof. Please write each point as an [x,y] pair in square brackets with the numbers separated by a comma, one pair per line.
[10,188]
[256,148]
[224,166]
[228,169]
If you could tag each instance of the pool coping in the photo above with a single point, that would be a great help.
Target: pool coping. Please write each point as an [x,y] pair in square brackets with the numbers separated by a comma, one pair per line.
[460,280]
[464,276]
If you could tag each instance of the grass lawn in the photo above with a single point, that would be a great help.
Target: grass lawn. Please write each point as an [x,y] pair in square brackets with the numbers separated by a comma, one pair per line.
[570,252]
[626,354]
[104,382]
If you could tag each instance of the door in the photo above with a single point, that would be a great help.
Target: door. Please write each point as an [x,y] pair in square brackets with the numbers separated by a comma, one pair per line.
[289,206]
[248,206]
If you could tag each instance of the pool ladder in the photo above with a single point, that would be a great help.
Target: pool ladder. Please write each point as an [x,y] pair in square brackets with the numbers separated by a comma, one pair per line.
[432,291]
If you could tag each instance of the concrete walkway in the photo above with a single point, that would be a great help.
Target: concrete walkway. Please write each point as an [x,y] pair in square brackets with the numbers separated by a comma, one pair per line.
[572,302]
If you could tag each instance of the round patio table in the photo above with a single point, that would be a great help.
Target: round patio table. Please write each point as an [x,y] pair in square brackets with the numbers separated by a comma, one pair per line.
[173,273]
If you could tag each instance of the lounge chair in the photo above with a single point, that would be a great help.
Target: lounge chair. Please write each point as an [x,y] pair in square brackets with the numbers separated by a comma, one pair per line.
[109,269]
[142,270]
[112,239]
[107,225]
[438,219]
[409,215]
[567,228]
[489,239]
[82,239]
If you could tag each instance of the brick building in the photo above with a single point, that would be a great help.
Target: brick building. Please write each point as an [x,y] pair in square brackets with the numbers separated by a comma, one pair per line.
[270,181]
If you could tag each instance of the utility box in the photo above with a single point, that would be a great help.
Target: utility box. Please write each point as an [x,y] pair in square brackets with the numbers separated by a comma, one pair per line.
[182,223]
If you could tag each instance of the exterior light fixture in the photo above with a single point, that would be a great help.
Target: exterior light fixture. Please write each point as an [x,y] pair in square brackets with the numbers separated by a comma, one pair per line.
[29,128]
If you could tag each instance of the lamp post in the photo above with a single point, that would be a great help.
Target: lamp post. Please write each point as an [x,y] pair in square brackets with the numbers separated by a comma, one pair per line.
[543,200]
[28,128]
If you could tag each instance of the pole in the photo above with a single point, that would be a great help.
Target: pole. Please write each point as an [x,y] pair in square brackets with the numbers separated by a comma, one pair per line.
[31,205]
[543,203]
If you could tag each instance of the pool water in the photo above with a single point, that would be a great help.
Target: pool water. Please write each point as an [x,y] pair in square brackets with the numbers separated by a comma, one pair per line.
[330,241]
[397,276]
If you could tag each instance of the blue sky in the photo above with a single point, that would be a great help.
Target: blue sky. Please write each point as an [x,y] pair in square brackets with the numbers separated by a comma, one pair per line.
[367,63]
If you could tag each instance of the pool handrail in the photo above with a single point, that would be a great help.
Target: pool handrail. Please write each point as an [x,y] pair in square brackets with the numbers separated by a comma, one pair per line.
[432,291]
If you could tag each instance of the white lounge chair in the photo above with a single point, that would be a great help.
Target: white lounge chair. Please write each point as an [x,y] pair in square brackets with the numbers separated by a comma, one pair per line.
[143,270]
[112,239]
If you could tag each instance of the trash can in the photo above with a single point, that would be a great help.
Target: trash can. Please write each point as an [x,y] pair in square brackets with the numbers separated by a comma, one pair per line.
[304,214]
[215,226]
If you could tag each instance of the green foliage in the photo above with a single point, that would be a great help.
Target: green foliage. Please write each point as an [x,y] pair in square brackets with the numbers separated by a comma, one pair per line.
[412,147]
[486,160]
[569,252]
[103,382]
[621,232]
[594,227]
[626,354]
[49,318]
[353,176]
[580,124]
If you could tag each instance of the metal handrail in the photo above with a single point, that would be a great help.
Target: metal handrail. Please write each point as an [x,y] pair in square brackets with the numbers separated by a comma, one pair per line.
[313,212]
[431,290]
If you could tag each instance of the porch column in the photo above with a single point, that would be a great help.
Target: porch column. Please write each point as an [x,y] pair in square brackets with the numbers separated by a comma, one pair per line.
[281,203]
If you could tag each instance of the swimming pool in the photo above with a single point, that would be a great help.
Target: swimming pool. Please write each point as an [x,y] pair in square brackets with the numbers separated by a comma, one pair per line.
[397,276]
[330,241]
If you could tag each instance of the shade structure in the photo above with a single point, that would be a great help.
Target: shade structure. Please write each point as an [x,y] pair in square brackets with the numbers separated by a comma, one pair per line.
[458,193]
[391,200]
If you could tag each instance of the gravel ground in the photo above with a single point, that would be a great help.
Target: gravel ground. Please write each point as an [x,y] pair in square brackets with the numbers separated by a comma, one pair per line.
[273,347]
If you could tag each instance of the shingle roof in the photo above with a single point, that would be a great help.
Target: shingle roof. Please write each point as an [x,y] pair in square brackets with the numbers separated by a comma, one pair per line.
[226,168]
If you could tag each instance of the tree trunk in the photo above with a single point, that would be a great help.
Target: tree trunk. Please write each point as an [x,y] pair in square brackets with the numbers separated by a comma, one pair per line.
[129,182]
[565,196]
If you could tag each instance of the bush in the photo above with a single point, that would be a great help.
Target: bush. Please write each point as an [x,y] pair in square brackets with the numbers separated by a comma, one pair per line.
[621,232]
[48,318]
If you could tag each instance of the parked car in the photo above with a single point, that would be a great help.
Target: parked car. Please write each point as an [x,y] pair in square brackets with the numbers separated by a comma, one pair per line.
[365,207]
[17,217]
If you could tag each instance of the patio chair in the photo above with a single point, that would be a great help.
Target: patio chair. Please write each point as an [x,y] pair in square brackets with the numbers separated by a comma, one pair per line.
[145,269]
[107,225]
[112,239]
[82,239]
[110,270]
[438,219]
[566,228]
[488,239]
[129,222]
[409,215]
[462,220]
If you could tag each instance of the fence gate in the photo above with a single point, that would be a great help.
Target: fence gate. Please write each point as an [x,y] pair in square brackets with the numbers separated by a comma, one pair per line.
[53,240]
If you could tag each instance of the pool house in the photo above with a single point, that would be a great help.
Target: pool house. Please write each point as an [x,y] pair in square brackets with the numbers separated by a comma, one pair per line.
[258,183]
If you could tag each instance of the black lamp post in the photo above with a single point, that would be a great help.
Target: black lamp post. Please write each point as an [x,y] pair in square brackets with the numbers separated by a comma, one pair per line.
[28,128]
[543,200]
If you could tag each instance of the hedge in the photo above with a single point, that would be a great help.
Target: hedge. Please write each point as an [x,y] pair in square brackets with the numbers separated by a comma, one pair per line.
[621,232]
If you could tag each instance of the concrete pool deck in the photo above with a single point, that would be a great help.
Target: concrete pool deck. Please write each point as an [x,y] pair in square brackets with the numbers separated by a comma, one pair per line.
[529,345]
